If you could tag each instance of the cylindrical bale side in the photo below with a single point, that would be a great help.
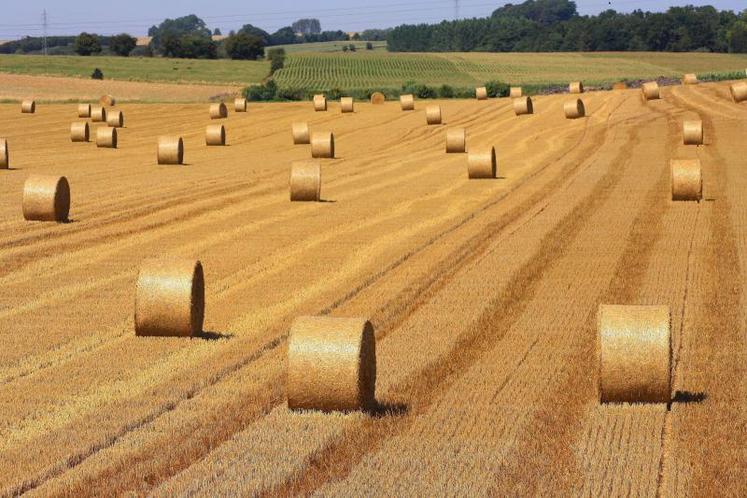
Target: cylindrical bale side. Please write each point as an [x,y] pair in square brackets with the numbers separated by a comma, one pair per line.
[574,109]
[305,181]
[107,100]
[692,132]
[239,104]
[28,107]
[481,163]
[378,98]
[98,114]
[170,298]
[79,132]
[106,137]
[322,145]
[170,150]
[739,91]
[650,90]
[46,198]
[433,114]
[215,135]
[690,79]
[300,133]
[331,364]
[523,105]
[481,93]
[84,110]
[635,354]
[456,140]
[4,154]
[346,104]
[115,119]
[687,180]
[407,102]
[320,103]
[515,92]
[218,111]
[576,87]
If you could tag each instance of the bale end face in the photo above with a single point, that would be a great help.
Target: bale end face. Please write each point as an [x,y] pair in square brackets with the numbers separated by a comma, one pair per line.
[378,98]
[218,111]
[215,135]
[650,90]
[574,109]
[4,154]
[320,103]
[482,164]
[305,181]
[331,364]
[407,102]
[635,354]
[456,140]
[170,150]
[46,198]
[739,91]
[79,132]
[523,105]
[692,132]
[239,104]
[170,298]
[301,135]
[346,104]
[106,137]
[687,180]
[515,92]
[481,93]
[433,114]
[576,87]
[28,107]
[322,145]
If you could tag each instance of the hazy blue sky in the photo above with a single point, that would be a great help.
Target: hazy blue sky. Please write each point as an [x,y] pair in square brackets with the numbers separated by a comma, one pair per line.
[22,17]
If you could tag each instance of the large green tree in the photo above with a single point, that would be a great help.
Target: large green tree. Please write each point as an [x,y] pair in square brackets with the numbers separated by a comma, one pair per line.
[87,44]
[244,46]
[122,44]
[185,37]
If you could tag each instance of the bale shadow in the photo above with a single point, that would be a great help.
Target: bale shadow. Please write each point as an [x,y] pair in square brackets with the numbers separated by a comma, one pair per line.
[328,201]
[381,410]
[687,397]
[213,336]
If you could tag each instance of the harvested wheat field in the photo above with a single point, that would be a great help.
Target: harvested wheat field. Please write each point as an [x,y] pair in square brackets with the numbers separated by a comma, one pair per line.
[482,294]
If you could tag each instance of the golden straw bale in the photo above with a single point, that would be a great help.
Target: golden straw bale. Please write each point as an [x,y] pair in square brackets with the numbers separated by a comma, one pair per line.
[115,119]
[218,111]
[215,135]
[4,154]
[378,98]
[305,181]
[620,85]
[346,104]
[239,104]
[481,163]
[170,150]
[523,105]
[650,90]
[690,79]
[635,354]
[515,92]
[739,91]
[481,93]
[407,102]
[106,137]
[28,107]
[170,298]
[433,114]
[320,102]
[84,110]
[331,364]
[79,132]
[692,132]
[322,145]
[574,109]
[576,87]
[107,100]
[98,114]
[46,198]
[300,133]
[687,182]
[456,140]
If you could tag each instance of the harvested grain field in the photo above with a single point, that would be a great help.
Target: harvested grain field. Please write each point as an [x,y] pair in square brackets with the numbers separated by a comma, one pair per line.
[483,295]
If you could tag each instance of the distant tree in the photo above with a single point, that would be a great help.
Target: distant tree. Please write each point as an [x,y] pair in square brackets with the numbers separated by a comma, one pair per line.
[122,44]
[345,48]
[253,30]
[276,56]
[87,44]
[217,32]
[352,47]
[232,32]
[737,37]
[245,47]
[284,36]
[374,34]
[186,37]
[356,37]
[369,46]
[275,52]
[307,26]
[97,74]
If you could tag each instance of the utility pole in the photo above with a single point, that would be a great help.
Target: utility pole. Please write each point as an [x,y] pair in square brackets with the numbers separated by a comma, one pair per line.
[44,24]
[456,10]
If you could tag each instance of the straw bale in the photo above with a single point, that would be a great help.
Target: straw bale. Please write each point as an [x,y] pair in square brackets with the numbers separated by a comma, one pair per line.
[98,114]
[305,181]
[28,107]
[687,180]
[690,79]
[456,140]
[239,104]
[215,135]
[79,132]
[481,163]
[620,85]
[574,109]
[433,114]
[523,105]
[4,154]
[650,90]
[170,298]
[378,98]
[407,102]
[218,111]
[106,137]
[576,87]
[322,145]
[481,93]
[300,133]
[346,104]
[170,150]
[331,364]
[515,92]
[115,119]
[739,91]
[692,132]
[84,110]
[320,102]
[107,100]
[46,198]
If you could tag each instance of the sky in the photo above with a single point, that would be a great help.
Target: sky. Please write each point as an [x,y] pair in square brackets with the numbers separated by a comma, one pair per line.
[24,17]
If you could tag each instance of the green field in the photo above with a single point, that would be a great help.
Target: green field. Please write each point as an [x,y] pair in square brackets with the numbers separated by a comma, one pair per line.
[336,46]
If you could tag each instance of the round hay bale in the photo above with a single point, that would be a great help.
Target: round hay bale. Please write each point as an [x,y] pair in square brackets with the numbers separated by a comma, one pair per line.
[305,181]
[481,93]
[346,104]
[574,109]
[692,132]
[300,133]
[322,145]
[84,110]
[170,298]
[620,85]
[687,180]
[46,198]
[481,163]
[28,107]
[215,135]
[170,150]
[115,119]
[320,103]
[4,154]
[239,104]
[331,364]
[690,79]
[523,105]
[378,98]
[650,90]
[407,102]
[79,132]
[218,111]
[433,114]
[635,354]
[576,87]
[456,140]
[515,92]
[98,114]
[738,91]
[106,137]
[107,100]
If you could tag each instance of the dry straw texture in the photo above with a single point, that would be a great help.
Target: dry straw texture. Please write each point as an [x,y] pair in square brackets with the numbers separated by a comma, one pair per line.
[28,107]
[687,180]
[407,102]
[4,154]
[481,93]
[456,140]
[106,137]
[481,163]
[305,181]
[46,198]
[218,111]
[739,91]
[79,132]
[322,145]
[115,119]
[215,135]
[515,92]
[576,87]
[300,133]
[170,298]
[331,364]
[378,98]
[650,90]
[107,100]
[170,150]
[620,85]
[239,104]
[98,114]
[692,132]
[84,110]
[433,114]
[574,109]
[346,104]
[320,102]
[690,79]
[523,105]
[634,354]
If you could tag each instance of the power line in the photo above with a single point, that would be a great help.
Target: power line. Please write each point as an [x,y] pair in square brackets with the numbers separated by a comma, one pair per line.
[44,24]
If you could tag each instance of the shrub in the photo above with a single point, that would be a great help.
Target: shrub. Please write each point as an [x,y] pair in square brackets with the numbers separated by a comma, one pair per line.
[122,44]
[97,74]
[256,93]
[446,92]
[352,47]
[497,89]
[345,48]
[369,46]
[87,44]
